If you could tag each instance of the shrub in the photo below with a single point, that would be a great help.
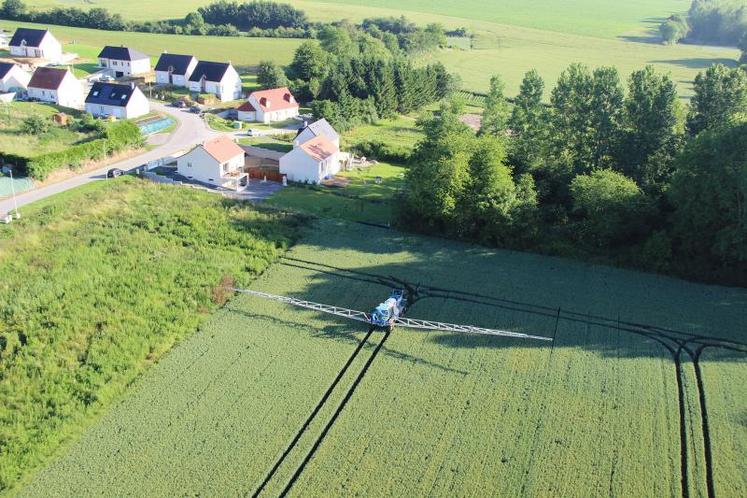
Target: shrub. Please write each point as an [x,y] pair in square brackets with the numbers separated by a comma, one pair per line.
[35,125]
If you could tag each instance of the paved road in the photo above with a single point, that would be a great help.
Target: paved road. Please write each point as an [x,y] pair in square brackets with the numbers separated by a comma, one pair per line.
[191,130]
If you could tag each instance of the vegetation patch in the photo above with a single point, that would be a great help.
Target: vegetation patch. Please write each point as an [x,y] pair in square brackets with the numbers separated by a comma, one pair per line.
[96,285]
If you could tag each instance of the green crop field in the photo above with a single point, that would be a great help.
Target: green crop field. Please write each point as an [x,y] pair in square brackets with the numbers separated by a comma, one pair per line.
[599,412]
[511,37]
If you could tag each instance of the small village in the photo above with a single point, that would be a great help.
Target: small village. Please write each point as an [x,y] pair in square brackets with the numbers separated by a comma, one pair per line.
[38,70]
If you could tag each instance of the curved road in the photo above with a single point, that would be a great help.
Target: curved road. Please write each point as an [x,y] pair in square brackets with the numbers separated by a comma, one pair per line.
[190,131]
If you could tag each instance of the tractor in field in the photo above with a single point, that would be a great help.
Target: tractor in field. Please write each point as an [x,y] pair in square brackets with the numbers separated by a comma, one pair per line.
[386,314]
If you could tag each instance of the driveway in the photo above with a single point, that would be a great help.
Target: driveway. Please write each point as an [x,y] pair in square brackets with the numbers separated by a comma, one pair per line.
[191,130]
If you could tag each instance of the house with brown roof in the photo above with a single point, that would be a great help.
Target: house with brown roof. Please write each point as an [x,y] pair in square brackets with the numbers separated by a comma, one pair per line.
[266,106]
[218,161]
[312,161]
[56,85]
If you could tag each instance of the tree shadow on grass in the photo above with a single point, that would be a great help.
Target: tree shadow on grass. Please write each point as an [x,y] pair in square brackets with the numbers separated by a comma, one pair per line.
[697,62]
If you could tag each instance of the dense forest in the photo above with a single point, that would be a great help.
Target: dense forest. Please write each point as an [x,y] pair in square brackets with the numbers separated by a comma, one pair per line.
[623,177]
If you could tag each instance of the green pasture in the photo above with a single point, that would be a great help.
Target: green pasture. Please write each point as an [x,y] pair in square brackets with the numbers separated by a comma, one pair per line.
[436,414]
[600,18]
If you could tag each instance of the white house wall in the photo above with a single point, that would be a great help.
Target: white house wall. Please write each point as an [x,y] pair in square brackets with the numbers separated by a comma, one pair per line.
[300,167]
[49,48]
[16,78]
[201,166]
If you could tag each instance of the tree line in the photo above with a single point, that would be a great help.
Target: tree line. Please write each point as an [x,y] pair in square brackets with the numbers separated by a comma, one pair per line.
[633,177]
[258,18]
[716,22]
[354,75]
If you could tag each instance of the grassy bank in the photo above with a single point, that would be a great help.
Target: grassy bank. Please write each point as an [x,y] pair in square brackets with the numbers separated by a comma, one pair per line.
[96,284]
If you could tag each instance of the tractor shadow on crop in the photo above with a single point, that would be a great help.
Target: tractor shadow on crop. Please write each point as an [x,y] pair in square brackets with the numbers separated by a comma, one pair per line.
[615,312]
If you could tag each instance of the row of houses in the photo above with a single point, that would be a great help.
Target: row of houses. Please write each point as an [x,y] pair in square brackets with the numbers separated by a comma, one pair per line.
[221,162]
[218,78]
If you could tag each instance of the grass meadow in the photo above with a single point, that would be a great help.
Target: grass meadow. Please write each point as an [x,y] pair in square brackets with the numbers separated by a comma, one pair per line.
[434,413]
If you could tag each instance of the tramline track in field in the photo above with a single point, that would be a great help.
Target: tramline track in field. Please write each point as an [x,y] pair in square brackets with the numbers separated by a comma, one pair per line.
[674,341]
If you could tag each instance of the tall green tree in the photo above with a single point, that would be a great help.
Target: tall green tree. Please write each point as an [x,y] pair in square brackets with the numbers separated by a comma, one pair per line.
[309,62]
[270,75]
[12,9]
[612,207]
[571,101]
[496,113]
[652,129]
[439,171]
[528,124]
[709,195]
[720,94]
[607,96]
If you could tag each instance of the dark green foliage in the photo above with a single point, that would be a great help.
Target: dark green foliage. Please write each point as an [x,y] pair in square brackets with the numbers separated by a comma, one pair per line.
[709,195]
[528,124]
[674,29]
[270,75]
[652,130]
[35,125]
[118,137]
[611,205]
[721,22]
[720,94]
[254,14]
[496,114]
[99,283]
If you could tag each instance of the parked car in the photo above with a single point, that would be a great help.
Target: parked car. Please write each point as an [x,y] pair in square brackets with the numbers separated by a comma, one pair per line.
[179,103]
[195,109]
[106,77]
[252,132]
[114,173]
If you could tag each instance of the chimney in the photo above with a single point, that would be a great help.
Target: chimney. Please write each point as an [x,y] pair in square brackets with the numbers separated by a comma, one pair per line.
[132,85]
[295,143]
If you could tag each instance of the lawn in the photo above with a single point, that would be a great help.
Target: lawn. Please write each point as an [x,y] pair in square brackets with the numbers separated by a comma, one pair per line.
[267,143]
[13,141]
[434,413]
[361,200]
[96,285]
[398,133]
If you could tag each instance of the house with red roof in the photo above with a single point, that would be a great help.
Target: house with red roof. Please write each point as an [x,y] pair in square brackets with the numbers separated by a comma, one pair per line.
[218,161]
[312,161]
[57,86]
[267,106]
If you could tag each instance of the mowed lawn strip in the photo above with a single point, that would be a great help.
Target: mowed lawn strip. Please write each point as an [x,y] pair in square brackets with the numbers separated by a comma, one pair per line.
[96,284]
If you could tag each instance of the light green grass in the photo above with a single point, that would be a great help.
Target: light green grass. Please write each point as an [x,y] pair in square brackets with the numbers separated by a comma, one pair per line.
[240,51]
[361,200]
[13,141]
[96,284]
[219,124]
[400,132]
[437,414]
[267,143]
[601,18]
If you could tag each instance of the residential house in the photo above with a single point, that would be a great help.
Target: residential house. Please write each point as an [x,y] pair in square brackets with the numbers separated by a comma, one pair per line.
[40,43]
[174,69]
[218,161]
[12,77]
[56,85]
[218,78]
[318,128]
[124,61]
[266,106]
[311,161]
[120,101]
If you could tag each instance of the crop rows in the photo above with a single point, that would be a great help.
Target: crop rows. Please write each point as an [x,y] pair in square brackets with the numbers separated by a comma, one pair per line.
[602,411]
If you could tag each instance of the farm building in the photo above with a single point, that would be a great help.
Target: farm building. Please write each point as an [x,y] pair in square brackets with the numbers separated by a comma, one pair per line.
[56,85]
[318,128]
[12,77]
[218,161]
[266,106]
[175,69]
[218,78]
[311,161]
[124,61]
[39,43]
[120,101]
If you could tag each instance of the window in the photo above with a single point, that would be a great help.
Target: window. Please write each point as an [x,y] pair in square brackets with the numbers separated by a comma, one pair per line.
[189,165]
